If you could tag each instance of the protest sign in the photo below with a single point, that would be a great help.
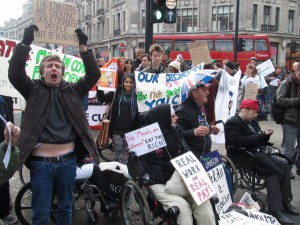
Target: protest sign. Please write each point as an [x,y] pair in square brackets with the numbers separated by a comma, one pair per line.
[212,163]
[265,68]
[194,176]
[154,89]
[95,115]
[146,139]
[236,218]
[248,201]
[263,217]
[107,80]
[251,90]
[57,22]
[199,52]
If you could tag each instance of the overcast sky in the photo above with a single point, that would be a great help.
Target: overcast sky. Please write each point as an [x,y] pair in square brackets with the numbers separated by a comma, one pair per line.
[10,9]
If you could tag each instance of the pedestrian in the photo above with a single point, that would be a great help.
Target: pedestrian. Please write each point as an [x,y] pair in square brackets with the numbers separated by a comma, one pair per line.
[166,60]
[138,60]
[124,116]
[145,62]
[128,66]
[156,66]
[174,67]
[100,61]
[54,132]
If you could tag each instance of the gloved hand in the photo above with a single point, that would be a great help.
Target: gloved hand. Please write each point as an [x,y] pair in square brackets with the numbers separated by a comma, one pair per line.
[132,158]
[81,37]
[29,34]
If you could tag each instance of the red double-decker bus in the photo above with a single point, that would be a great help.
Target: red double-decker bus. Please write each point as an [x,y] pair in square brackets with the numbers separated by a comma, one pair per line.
[220,46]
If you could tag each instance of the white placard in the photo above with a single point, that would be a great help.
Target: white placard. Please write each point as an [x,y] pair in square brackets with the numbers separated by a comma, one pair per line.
[263,217]
[194,176]
[236,218]
[265,68]
[146,139]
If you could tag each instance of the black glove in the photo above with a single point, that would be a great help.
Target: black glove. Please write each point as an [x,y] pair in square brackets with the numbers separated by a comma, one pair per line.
[28,34]
[132,158]
[81,37]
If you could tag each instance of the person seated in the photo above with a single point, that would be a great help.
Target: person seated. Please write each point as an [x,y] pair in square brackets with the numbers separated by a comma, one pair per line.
[159,168]
[243,130]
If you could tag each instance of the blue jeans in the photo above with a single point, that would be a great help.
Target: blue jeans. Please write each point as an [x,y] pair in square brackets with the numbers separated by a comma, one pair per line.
[46,178]
[291,134]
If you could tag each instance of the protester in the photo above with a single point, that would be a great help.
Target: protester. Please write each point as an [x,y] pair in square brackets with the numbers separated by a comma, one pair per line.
[145,62]
[124,116]
[159,168]
[253,61]
[128,66]
[291,121]
[155,52]
[174,67]
[242,130]
[183,65]
[7,173]
[54,128]
[230,68]
[100,61]
[166,60]
[138,53]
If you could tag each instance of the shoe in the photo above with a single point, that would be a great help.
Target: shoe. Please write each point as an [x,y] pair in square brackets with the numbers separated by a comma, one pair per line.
[298,172]
[10,219]
[289,209]
[281,217]
[292,176]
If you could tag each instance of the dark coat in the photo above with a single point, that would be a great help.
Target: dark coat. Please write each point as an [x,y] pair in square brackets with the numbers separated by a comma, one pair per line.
[38,101]
[238,133]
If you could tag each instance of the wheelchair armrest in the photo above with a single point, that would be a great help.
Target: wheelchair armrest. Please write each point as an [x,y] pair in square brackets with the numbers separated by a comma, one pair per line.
[236,150]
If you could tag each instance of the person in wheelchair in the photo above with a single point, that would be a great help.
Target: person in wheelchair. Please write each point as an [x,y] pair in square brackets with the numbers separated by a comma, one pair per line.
[243,130]
[159,168]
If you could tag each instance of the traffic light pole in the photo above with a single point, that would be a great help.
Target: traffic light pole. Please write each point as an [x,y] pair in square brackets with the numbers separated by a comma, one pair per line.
[236,35]
[149,27]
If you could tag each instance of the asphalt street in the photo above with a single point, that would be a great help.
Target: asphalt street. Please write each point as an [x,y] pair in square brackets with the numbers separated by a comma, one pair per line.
[81,217]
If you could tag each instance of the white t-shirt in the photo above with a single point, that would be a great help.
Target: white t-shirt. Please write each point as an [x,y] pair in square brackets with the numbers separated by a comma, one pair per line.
[260,81]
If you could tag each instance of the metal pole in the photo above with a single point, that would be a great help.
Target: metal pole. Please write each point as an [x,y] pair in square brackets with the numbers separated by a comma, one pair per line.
[236,34]
[149,27]
[291,55]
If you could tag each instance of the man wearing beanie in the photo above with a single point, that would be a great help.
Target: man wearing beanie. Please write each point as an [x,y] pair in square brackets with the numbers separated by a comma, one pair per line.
[242,130]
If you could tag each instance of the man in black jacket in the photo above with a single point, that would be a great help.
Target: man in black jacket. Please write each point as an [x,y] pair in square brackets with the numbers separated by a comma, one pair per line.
[243,130]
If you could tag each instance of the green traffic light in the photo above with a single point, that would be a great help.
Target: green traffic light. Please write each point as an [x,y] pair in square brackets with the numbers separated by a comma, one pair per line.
[157,14]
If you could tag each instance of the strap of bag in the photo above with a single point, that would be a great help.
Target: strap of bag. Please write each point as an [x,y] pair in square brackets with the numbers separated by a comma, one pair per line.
[108,114]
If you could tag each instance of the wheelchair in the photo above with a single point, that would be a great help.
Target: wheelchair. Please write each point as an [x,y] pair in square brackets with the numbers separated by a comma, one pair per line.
[85,196]
[248,178]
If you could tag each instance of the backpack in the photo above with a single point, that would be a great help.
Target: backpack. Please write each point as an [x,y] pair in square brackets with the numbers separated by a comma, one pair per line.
[277,111]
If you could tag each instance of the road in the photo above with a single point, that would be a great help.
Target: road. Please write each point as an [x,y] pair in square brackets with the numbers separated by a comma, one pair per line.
[81,217]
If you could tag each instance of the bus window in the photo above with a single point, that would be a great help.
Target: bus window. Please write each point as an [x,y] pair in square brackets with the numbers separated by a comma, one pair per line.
[261,45]
[209,43]
[248,45]
[165,44]
[181,45]
[223,45]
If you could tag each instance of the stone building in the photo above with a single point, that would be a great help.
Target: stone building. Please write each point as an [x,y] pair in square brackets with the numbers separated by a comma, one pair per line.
[110,23]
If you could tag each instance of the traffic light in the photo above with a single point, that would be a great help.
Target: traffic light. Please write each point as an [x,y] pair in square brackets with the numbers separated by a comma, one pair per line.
[241,45]
[163,11]
[293,47]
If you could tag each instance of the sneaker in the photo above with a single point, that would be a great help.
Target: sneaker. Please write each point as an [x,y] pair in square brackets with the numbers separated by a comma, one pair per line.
[10,219]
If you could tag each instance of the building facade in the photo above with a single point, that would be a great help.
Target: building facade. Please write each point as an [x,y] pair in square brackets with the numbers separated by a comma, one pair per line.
[109,23]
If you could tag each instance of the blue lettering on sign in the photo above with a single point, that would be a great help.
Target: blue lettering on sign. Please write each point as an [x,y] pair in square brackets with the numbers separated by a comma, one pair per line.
[174,76]
[172,100]
[148,77]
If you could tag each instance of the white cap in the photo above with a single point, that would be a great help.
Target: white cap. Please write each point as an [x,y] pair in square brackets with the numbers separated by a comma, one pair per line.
[175,64]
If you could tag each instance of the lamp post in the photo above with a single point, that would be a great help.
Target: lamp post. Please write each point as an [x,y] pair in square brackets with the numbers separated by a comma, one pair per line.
[236,34]
[149,27]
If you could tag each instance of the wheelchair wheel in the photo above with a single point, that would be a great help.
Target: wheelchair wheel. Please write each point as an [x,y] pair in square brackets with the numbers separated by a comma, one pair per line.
[135,208]
[106,153]
[246,182]
[24,175]
[23,207]
[234,175]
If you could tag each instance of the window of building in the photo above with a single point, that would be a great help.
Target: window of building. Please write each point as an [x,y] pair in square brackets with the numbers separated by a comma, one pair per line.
[143,20]
[291,21]
[186,20]
[267,15]
[277,18]
[261,45]
[254,17]
[222,18]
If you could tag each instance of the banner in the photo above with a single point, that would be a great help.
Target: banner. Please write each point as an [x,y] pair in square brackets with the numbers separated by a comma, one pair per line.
[265,68]
[194,176]
[226,102]
[154,89]
[212,163]
[57,22]
[146,139]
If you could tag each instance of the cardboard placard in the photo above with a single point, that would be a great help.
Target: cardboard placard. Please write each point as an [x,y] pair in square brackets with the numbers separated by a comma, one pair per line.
[146,139]
[212,163]
[251,90]
[57,22]
[199,52]
[194,176]
[265,68]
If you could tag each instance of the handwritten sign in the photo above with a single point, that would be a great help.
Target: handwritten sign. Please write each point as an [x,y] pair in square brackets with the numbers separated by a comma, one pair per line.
[199,52]
[265,68]
[154,89]
[263,217]
[251,90]
[212,163]
[194,176]
[236,218]
[57,22]
[146,139]
[108,79]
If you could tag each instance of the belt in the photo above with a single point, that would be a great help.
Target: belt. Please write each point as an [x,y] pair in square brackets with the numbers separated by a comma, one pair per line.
[55,159]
